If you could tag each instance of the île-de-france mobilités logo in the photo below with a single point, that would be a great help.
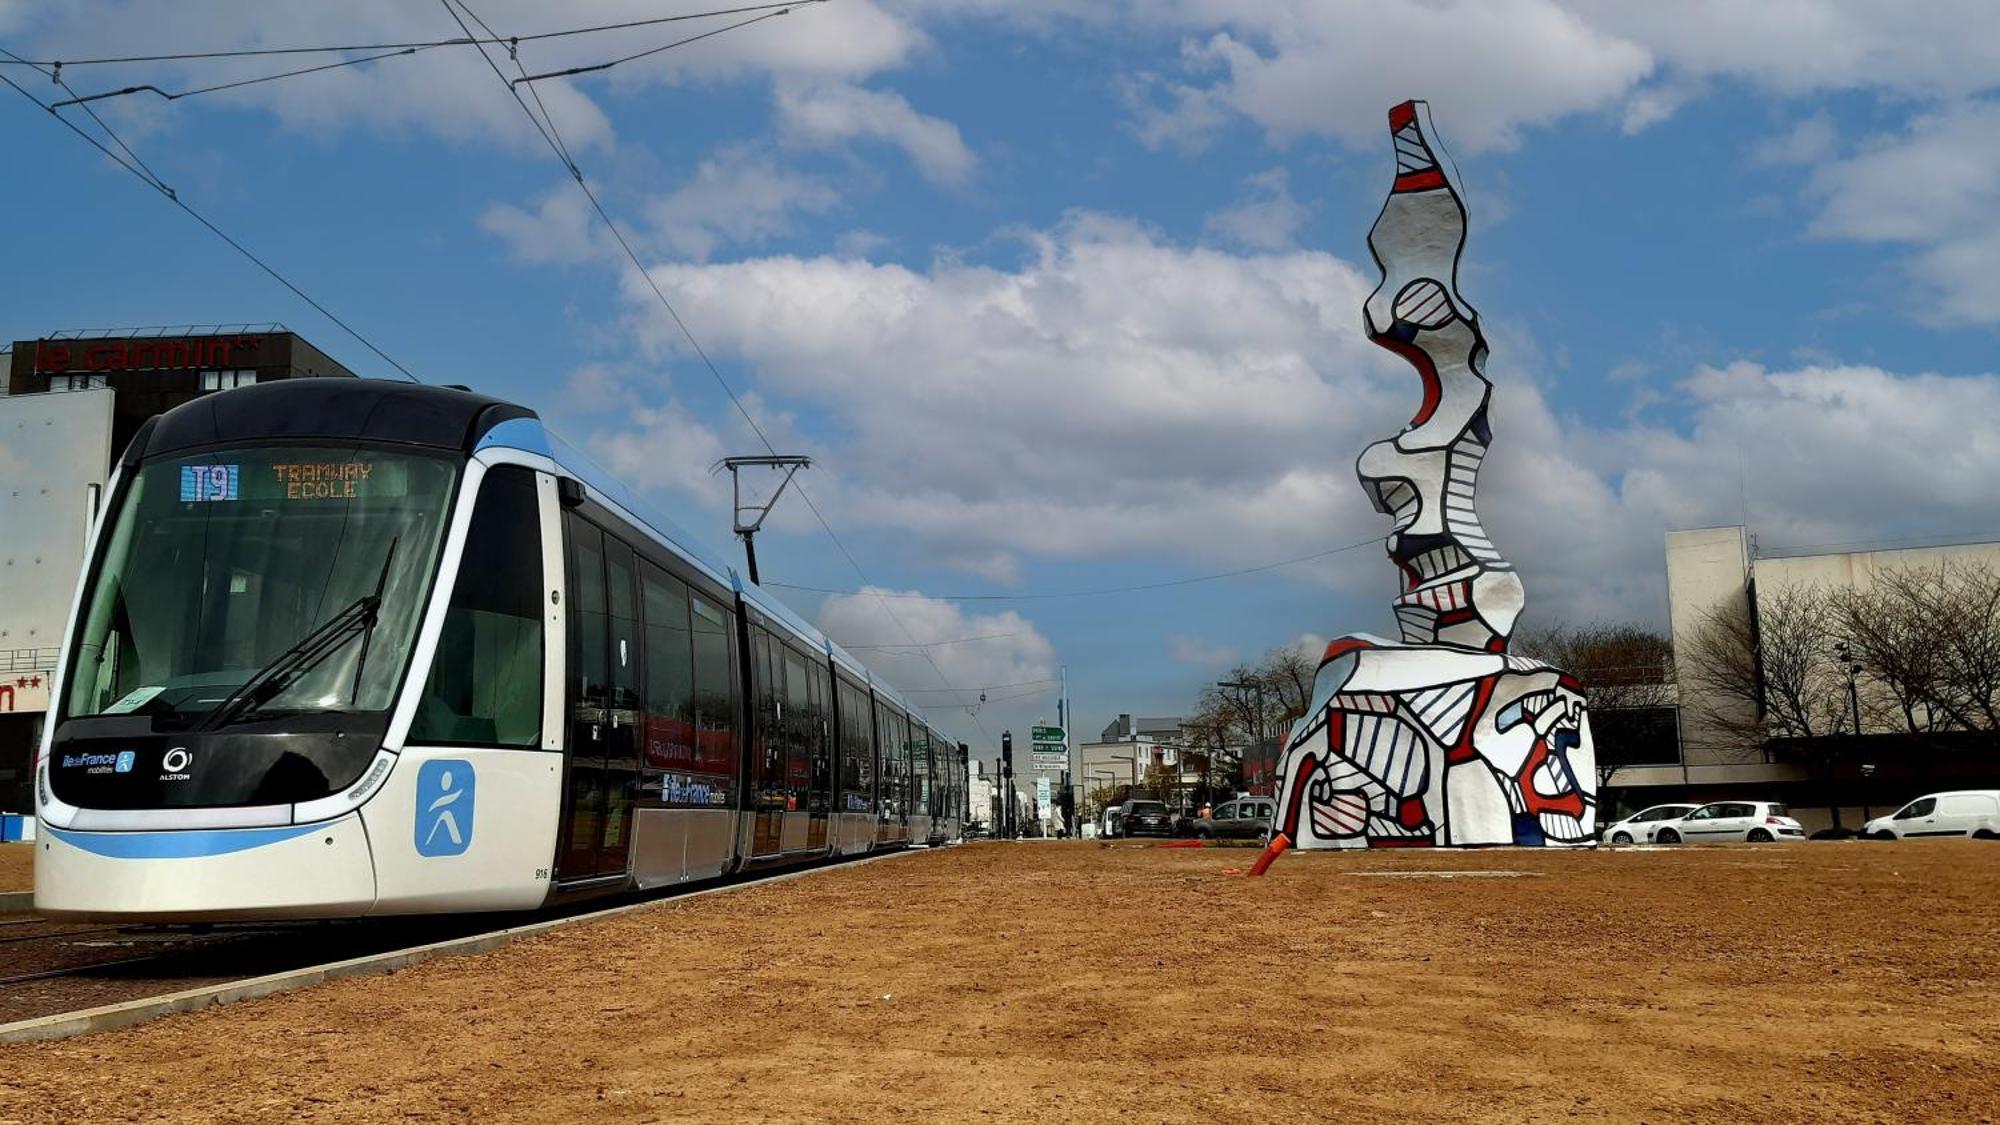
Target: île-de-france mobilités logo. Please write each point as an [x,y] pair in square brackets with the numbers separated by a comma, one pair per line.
[445,792]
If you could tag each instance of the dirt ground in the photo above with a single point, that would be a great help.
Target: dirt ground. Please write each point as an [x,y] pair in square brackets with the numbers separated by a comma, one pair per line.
[1082,982]
[17,867]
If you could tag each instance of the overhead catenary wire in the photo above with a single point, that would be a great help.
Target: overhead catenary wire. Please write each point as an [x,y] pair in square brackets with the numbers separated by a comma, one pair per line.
[552,135]
[993,687]
[402,50]
[595,67]
[176,95]
[138,168]
[931,644]
[1095,593]
[468,40]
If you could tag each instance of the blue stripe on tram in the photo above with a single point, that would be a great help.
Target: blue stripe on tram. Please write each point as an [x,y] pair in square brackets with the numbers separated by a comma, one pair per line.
[189,844]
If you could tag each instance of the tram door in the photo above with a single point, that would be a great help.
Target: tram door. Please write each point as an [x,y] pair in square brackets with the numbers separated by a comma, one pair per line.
[603,695]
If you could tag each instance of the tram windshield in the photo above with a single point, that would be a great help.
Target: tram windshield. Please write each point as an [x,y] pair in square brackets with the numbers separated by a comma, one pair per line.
[256,582]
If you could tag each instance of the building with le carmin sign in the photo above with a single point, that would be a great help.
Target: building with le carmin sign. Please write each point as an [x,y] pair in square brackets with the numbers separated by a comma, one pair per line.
[71,402]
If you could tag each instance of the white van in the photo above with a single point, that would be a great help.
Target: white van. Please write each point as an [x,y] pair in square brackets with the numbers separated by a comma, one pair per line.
[1966,812]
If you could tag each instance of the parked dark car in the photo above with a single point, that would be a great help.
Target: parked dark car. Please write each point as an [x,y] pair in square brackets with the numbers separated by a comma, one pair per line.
[1146,818]
[1246,818]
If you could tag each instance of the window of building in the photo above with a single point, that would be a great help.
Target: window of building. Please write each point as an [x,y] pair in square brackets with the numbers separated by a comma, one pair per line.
[1636,736]
[226,380]
[78,382]
[485,684]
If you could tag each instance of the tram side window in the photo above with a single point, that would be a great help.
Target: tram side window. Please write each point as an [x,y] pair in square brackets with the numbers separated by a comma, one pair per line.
[768,777]
[485,683]
[904,742]
[714,688]
[857,750]
[669,726]
[798,725]
[886,741]
[821,734]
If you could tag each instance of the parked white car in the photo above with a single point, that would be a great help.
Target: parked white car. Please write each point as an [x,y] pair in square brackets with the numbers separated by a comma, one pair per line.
[1640,826]
[1756,822]
[1967,812]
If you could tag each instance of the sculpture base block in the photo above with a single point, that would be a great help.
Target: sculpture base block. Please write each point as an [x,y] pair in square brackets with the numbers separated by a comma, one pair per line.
[1438,746]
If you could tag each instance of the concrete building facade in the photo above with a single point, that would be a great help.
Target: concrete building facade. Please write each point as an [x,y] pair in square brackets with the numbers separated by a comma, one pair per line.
[1715,570]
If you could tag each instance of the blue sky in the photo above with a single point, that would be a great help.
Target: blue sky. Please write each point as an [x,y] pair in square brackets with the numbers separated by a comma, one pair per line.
[1064,296]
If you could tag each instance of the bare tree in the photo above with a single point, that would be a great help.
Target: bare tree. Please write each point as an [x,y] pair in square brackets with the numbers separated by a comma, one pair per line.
[1620,665]
[1963,611]
[1627,673]
[1890,637]
[1774,676]
[1209,733]
[1927,642]
[1287,673]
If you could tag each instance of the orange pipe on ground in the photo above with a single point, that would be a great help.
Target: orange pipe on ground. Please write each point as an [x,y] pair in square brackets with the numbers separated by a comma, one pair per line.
[1279,842]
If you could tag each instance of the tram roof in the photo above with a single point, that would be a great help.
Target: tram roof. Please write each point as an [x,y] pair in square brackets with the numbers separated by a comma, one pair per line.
[351,409]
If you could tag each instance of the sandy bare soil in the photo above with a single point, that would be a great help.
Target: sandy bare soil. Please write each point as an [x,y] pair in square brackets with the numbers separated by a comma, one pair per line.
[1078,982]
[17,867]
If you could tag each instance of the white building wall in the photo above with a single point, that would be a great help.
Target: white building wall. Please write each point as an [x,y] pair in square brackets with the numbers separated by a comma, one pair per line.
[54,449]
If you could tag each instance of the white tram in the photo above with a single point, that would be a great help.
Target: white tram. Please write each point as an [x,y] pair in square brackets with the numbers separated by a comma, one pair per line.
[349,647]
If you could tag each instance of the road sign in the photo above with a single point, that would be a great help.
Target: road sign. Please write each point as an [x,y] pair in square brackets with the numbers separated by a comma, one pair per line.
[1042,794]
[1051,748]
[1049,734]
[1051,762]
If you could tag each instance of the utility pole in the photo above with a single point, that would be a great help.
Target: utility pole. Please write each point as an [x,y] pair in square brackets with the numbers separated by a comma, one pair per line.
[965,792]
[1007,781]
[1070,765]
[791,463]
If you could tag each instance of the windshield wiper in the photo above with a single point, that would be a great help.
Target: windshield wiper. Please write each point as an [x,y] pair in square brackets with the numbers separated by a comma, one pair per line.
[309,652]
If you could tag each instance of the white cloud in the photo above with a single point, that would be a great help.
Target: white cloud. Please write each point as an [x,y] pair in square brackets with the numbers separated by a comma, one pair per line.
[658,447]
[860,243]
[560,230]
[1333,67]
[1115,396]
[1112,394]
[1200,653]
[1809,142]
[1935,188]
[1013,660]
[1266,218]
[835,115]
[1494,68]
[738,196]
[1945,47]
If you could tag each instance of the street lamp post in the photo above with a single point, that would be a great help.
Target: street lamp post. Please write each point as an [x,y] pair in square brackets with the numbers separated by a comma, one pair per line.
[1110,778]
[1853,669]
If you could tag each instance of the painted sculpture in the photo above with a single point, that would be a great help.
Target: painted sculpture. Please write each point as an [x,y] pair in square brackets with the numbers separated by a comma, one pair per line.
[1442,738]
